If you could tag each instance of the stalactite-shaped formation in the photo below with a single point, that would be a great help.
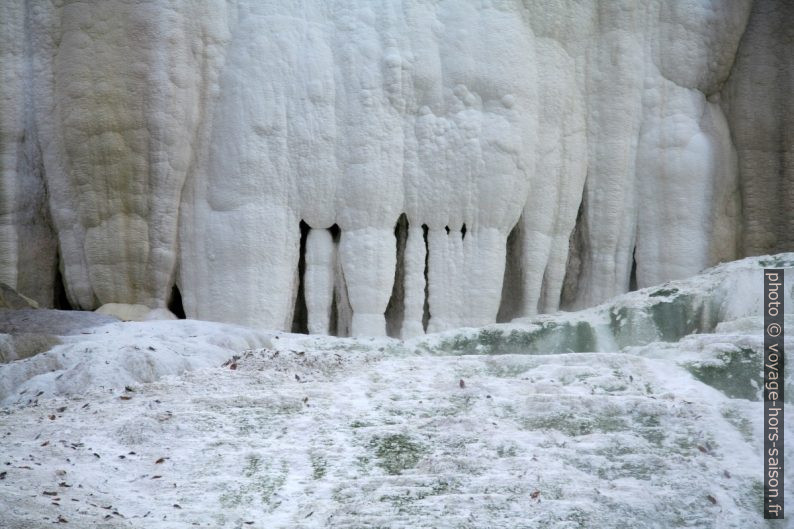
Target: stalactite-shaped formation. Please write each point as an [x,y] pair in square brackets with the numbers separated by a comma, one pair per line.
[180,146]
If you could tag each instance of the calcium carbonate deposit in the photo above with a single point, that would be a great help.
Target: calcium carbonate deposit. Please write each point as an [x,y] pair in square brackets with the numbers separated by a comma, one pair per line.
[643,412]
[405,264]
[352,167]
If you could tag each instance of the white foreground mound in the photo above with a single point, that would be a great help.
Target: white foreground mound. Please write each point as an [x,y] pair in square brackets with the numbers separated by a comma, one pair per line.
[365,439]
[118,354]
[441,432]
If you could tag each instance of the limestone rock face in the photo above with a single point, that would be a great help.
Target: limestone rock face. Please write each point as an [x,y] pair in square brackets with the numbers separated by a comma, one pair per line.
[258,155]
[28,254]
[9,299]
[760,108]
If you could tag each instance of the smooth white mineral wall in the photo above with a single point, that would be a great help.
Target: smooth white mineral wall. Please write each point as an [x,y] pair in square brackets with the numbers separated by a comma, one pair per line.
[183,142]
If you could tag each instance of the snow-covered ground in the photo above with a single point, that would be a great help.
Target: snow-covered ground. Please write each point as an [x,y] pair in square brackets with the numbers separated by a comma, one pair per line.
[184,423]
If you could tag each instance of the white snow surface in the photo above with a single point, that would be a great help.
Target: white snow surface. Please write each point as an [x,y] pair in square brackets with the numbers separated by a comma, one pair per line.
[118,354]
[242,429]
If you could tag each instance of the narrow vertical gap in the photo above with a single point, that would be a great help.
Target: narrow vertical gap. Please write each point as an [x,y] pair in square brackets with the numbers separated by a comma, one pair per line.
[577,246]
[395,310]
[544,287]
[512,289]
[175,303]
[340,306]
[60,301]
[426,306]
[446,228]
[300,320]
[463,231]
[633,276]
[333,327]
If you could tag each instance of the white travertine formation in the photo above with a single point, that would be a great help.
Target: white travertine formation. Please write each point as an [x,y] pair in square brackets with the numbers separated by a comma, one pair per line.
[319,280]
[183,142]
[414,296]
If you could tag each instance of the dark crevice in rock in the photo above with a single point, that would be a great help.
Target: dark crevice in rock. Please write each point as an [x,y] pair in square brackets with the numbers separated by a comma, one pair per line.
[395,310]
[60,300]
[426,307]
[544,291]
[336,232]
[577,246]
[633,276]
[512,292]
[334,326]
[300,320]
[175,303]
